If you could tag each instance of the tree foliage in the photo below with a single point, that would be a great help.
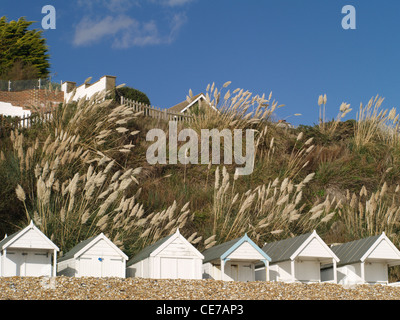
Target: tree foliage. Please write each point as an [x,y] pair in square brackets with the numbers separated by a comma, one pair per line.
[23,52]
[132,94]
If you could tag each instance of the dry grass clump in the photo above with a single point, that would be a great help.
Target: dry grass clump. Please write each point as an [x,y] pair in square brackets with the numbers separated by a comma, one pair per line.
[330,127]
[269,211]
[366,213]
[239,109]
[75,185]
[298,157]
[375,123]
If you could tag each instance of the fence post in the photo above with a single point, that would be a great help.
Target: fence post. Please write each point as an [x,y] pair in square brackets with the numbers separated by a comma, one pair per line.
[9,85]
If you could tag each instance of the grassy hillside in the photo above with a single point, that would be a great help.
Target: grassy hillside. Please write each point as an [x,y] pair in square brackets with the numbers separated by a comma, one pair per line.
[86,172]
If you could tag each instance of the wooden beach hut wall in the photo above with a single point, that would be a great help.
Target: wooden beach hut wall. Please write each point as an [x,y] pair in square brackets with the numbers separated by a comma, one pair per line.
[28,252]
[364,261]
[97,256]
[172,257]
[297,259]
[234,260]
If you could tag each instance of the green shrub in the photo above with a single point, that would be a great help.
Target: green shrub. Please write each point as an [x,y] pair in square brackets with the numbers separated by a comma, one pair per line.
[131,94]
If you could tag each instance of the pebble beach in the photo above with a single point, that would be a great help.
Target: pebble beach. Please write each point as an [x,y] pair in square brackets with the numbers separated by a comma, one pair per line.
[69,288]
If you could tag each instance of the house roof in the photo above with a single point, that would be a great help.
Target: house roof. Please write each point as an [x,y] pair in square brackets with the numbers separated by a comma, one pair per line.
[70,254]
[284,249]
[146,252]
[354,251]
[8,241]
[217,251]
[75,251]
[223,250]
[157,246]
[289,249]
[182,106]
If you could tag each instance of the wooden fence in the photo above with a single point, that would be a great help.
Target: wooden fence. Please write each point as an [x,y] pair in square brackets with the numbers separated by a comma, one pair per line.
[156,113]
[27,122]
[147,111]
[24,122]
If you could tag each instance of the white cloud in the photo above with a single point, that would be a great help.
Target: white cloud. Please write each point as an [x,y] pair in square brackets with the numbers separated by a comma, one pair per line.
[124,5]
[172,3]
[126,32]
[89,31]
[176,24]
[123,30]
[110,5]
[141,35]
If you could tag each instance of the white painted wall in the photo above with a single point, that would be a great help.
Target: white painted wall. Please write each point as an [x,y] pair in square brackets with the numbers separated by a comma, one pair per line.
[281,271]
[277,272]
[234,271]
[7,109]
[29,253]
[99,260]
[374,272]
[315,249]
[27,263]
[67,268]
[246,252]
[384,250]
[307,270]
[166,267]
[349,274]
[87,90]
[175,261]
[31,239]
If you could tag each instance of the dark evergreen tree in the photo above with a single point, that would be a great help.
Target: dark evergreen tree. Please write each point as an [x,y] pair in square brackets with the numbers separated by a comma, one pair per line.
[23,52]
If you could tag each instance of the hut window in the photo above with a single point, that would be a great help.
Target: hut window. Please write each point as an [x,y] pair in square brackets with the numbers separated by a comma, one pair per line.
[42,254]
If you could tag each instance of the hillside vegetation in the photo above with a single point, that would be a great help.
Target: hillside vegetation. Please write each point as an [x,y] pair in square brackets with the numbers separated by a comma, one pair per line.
[86,172]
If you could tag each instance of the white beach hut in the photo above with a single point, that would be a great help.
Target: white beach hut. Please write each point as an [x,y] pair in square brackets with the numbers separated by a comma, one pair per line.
[172,257]
[28,252]
[93,257]
[234,260]
[297,259]
[364,261]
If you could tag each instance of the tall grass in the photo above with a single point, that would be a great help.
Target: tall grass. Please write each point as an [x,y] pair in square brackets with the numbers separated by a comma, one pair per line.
[329,127]
[230,110]
[74,183]
[85,172]
[375,123]
[366,213]
[269,211]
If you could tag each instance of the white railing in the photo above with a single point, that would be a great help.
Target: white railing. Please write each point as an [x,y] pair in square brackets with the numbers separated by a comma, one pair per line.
[156,113]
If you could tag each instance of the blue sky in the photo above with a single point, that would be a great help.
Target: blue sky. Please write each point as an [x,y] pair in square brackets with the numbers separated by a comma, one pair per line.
[295,48]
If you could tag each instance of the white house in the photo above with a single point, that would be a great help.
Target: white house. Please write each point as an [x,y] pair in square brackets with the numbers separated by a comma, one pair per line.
[297,259]
[7,109]
[364,261]
[105,83]
[172,257]
[93,257]
[234,260]
[197,102]
[28,252]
